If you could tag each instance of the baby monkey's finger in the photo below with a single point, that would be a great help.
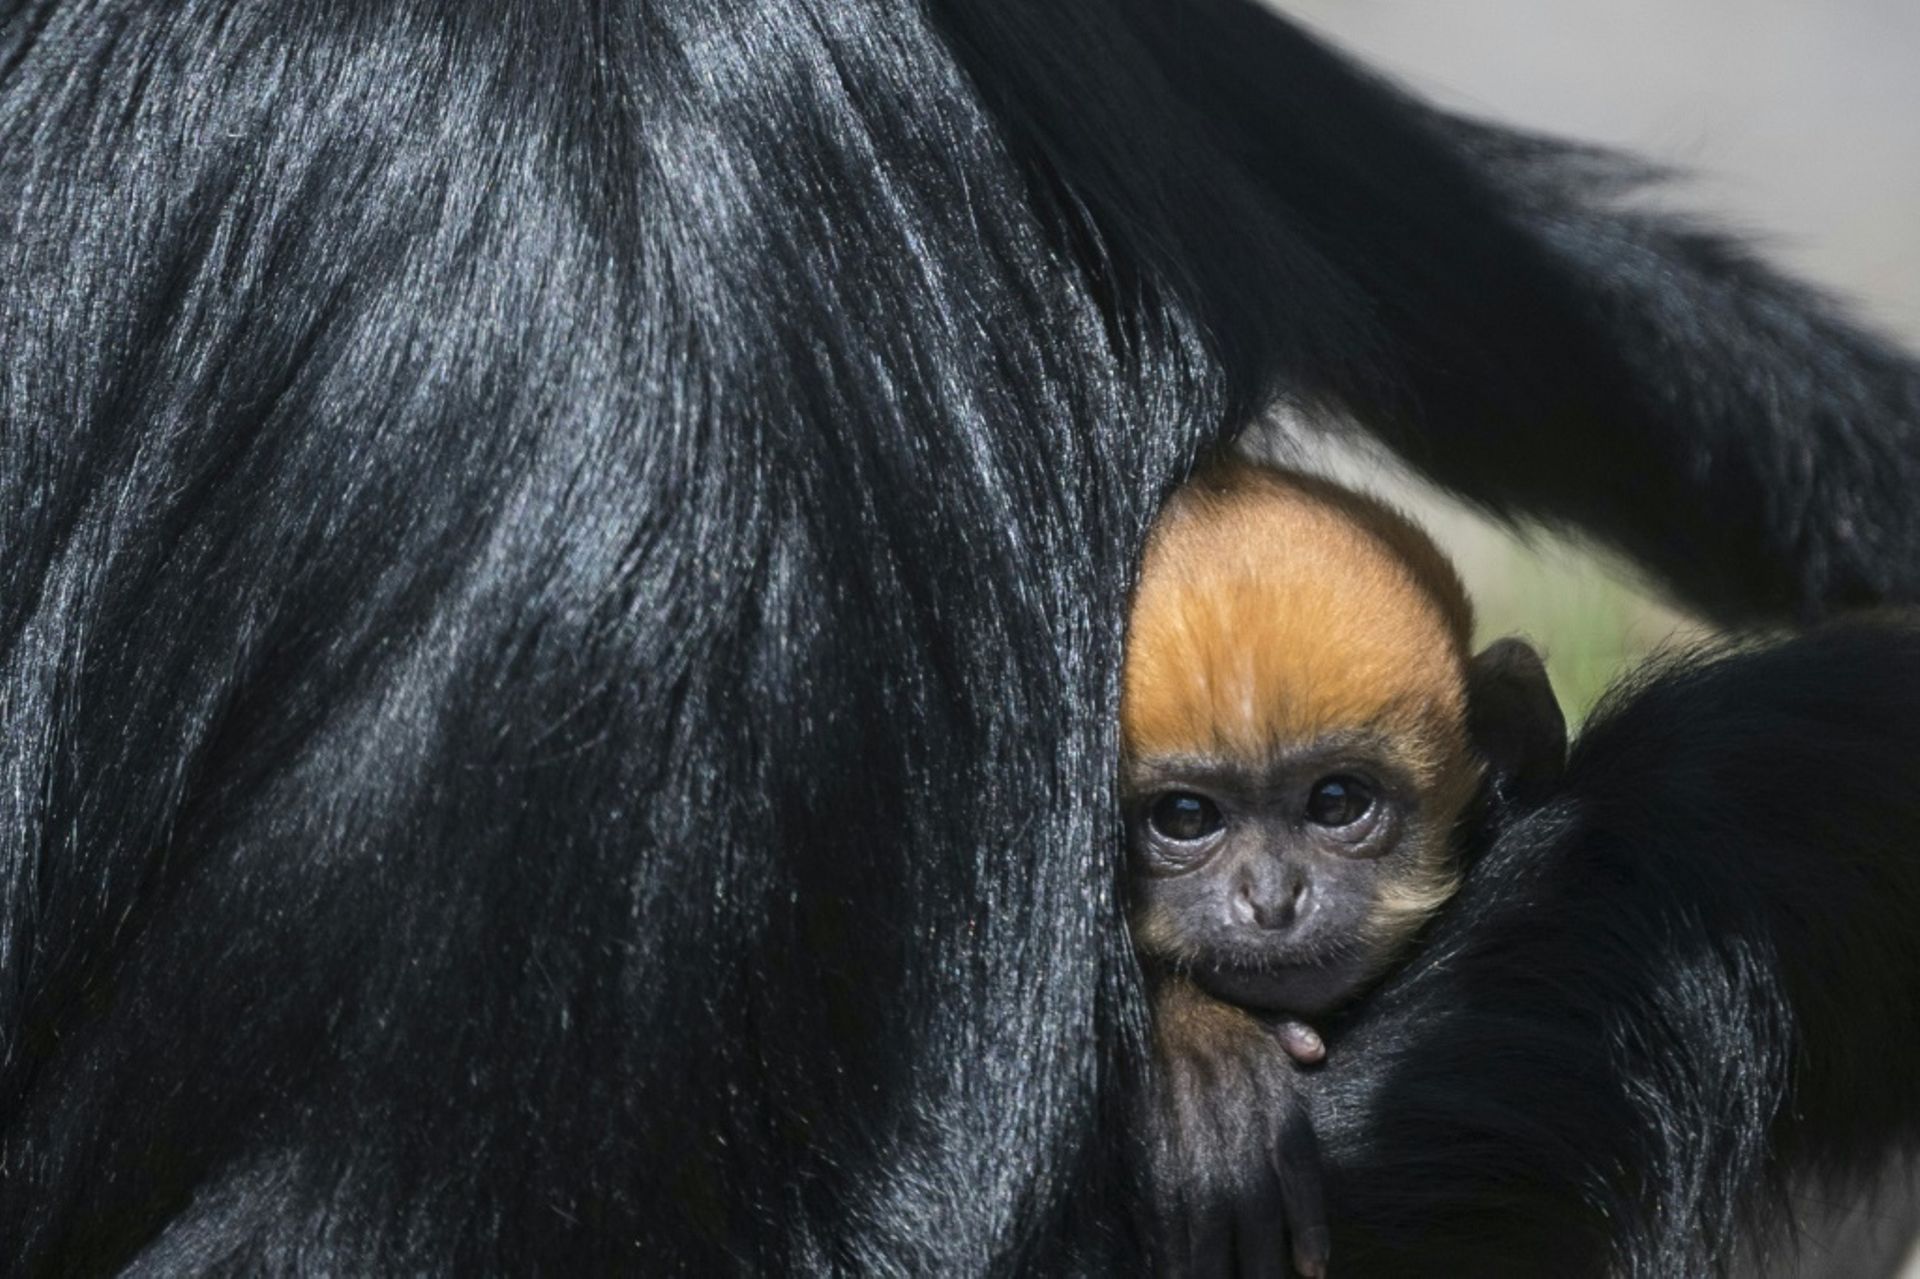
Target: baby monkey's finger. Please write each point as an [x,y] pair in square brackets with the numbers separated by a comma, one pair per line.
[1302,1042]
[1303,1192]
[1260,1230]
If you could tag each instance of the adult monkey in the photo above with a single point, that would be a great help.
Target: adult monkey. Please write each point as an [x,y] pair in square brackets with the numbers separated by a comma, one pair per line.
[561,576]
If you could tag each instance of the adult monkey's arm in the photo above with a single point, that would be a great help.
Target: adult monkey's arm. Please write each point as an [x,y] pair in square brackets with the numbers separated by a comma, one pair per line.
[1515,333]
[1689,979]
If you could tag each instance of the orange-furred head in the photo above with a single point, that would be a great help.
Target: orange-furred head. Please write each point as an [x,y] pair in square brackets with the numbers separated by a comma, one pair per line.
[1280,614]
[1273,608]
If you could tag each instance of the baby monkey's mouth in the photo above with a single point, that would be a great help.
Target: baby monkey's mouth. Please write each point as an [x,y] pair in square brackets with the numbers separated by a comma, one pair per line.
[1305,988]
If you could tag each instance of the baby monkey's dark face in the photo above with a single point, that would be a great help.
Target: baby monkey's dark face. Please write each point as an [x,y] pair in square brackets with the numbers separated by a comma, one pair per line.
[1268,884]
[1302,729]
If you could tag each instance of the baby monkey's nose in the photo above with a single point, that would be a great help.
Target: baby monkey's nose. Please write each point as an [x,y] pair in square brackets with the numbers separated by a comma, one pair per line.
[1273,901]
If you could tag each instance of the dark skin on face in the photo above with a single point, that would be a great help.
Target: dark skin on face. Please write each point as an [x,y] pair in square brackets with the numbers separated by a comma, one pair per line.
[1271,871]
[1254,889]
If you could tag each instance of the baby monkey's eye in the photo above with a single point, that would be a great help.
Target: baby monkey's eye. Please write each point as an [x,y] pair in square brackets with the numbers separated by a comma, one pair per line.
[1183,816]
[1338,801]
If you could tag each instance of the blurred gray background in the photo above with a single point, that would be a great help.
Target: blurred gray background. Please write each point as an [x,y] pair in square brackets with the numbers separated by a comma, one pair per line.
[1799,124]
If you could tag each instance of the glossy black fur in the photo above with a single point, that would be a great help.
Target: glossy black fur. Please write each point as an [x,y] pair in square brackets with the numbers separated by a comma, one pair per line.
[1691,976]
[562,566]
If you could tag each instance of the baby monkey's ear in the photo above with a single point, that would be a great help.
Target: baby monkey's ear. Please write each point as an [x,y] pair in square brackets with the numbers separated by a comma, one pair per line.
[1516,723]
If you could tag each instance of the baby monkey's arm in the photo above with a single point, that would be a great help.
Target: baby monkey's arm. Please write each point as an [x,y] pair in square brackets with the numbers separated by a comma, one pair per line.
[1236,1172]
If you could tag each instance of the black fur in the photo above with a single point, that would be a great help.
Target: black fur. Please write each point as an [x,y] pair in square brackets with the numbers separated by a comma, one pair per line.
[561,575]
[1691,977]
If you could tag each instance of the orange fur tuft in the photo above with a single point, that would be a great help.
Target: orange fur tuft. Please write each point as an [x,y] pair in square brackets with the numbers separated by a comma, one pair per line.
[1275,608]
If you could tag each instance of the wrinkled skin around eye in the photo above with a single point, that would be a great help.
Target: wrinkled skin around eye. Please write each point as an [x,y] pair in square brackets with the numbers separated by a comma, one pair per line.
[1338,801]
[1184,817]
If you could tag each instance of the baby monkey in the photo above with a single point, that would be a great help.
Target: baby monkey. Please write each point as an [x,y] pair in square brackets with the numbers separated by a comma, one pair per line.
[1305,734]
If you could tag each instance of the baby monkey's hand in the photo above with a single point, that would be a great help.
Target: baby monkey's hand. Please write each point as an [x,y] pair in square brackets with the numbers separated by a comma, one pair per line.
[1302,1042]
[1237,1175]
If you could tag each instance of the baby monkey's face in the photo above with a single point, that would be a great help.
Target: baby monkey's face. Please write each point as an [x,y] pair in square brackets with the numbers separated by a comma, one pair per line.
[1276,884]
[1302,727]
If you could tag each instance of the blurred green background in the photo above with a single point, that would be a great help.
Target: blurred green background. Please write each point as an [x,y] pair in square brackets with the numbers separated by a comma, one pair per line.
[1799,124]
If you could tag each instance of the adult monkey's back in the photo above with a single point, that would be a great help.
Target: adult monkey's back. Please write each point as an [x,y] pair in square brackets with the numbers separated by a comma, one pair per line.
[561,575]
